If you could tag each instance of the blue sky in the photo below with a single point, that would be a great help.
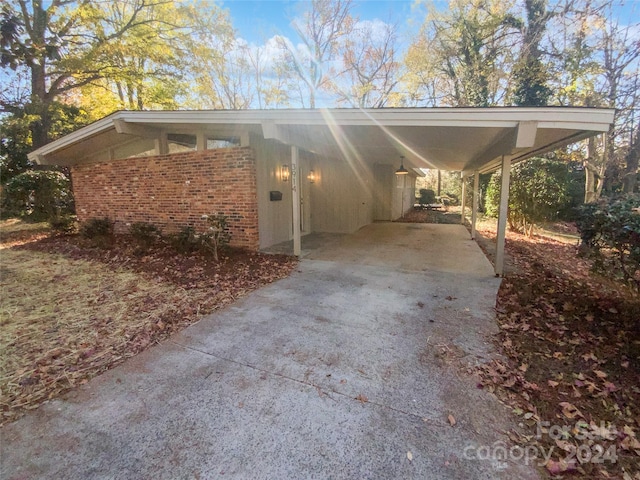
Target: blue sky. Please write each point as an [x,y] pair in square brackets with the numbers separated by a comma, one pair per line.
[256,21]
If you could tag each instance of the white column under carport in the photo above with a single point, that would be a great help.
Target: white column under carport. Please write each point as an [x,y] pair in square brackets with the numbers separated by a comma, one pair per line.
[295,190]
[502,218]
[476,203]
[464,199]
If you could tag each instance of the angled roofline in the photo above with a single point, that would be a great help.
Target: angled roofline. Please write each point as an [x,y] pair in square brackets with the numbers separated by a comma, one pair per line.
[579,118]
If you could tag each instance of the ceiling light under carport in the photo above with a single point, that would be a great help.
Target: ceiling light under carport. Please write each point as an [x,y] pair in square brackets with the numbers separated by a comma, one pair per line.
[402,170]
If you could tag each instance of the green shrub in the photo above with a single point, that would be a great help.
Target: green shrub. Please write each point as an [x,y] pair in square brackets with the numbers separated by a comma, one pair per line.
[99,231]
[427,196]
[38,194]
[539,190]
[185,241]
[64,224]
[610,233]
[217,237]
[452,198]
[145,234]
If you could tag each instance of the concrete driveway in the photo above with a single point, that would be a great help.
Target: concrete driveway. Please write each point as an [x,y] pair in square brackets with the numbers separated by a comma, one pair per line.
[338,371]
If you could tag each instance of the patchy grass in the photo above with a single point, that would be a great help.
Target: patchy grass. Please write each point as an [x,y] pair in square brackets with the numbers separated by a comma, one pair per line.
[14,231]
[69,311]
[571,367]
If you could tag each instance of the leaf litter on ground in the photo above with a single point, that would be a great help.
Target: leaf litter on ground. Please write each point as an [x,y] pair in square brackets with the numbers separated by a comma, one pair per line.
[571,359]
[69,311]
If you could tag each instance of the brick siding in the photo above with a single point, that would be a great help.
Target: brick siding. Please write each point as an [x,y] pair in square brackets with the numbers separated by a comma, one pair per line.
[171,191]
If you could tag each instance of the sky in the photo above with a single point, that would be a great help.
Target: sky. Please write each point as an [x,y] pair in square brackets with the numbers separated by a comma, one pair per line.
[257,21]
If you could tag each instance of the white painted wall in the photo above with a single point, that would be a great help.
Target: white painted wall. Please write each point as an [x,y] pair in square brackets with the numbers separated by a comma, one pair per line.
[403,195]
[341,198]
[274,217]
[383,191]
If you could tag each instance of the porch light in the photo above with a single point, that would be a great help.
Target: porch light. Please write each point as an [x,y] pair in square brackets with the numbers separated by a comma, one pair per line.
[402,170]
[311,177]
[285,173]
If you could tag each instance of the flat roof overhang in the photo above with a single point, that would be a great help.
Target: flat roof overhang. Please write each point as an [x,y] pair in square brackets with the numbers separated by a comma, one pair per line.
[455,139]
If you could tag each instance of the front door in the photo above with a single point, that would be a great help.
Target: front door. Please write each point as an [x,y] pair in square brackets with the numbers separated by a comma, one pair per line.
[305,198]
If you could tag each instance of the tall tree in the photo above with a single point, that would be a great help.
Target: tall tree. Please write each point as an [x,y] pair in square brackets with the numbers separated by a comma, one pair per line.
[370,68]
[596,65]
[62,44]
[632,161]
[220,68]
[320,30]
[471,45]
[530,75]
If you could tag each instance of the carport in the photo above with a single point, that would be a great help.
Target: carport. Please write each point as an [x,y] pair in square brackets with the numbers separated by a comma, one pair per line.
[324,170]
[469,140]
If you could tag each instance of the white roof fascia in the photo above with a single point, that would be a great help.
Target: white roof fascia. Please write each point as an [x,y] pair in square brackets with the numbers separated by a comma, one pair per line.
[578,118]
[500,117]
[74,137]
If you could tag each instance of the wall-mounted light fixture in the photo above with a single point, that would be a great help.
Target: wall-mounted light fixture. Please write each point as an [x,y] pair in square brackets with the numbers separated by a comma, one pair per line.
[402,170]
[311,177]
[285,173]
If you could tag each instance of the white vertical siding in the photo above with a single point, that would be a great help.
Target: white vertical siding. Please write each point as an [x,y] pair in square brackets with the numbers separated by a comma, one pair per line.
[274,217]
[341,198]
[403,195]
[383,191]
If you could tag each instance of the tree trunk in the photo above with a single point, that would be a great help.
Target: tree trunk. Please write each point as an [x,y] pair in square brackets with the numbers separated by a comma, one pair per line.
[40,103]
[589,186]
[589,175]
[632,160]
[607,147]
[39,97]
[595,175]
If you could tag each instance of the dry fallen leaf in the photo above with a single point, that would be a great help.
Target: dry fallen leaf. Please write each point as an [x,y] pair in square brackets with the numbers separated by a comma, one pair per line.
[600,374]
[570,411]
[553,383]
[362,398]
[556,467]
[452,420]
[410,456]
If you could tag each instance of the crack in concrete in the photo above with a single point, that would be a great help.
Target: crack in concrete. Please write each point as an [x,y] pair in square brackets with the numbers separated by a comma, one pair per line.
[430,421]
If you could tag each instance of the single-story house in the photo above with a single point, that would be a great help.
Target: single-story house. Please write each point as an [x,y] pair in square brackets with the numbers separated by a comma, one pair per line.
[281,174]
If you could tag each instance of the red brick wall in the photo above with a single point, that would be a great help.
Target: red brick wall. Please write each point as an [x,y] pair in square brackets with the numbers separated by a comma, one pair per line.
[172,191]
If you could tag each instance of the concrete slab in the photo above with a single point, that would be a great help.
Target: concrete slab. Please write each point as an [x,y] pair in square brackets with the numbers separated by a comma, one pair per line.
[335,372]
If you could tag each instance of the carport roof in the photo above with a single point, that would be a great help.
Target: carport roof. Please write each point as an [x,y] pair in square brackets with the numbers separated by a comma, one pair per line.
[458,139]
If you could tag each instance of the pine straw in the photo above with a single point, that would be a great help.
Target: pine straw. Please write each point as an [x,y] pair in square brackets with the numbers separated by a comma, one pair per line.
[66,318]
[64,321]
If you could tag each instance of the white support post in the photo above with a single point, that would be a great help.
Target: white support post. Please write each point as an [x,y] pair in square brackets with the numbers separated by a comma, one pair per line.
[502,218]
[162,144]
[295,190]
[201,141]
[476,201]
[244,139]
[464,199]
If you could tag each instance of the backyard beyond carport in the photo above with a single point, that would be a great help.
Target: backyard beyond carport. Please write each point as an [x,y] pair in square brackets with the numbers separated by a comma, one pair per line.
[349,368]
